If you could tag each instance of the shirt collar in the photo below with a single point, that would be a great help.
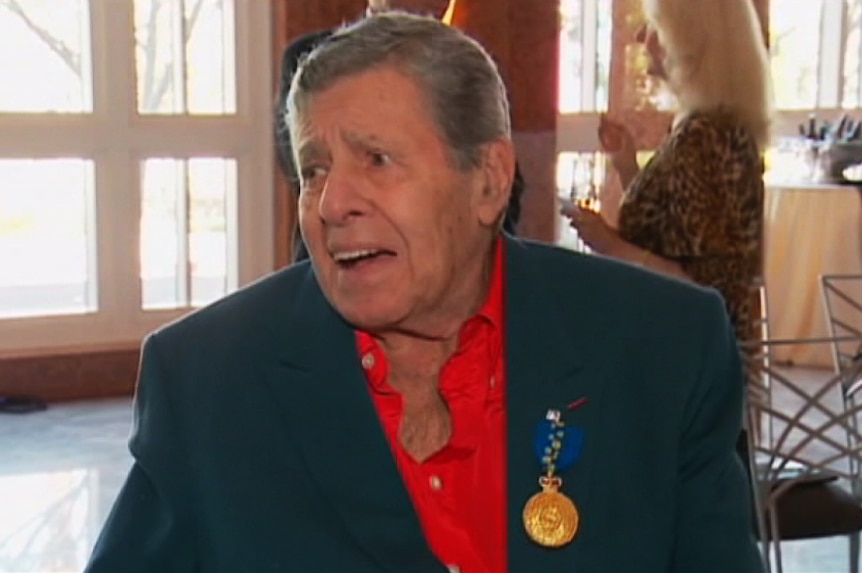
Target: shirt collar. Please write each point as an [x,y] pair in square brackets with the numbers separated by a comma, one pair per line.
[492,310]
[490,313]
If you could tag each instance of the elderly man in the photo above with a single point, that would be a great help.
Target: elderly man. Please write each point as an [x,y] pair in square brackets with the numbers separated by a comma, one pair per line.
[289,63]
[428,394]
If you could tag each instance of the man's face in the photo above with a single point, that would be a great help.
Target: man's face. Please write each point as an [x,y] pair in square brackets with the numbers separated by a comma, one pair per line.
[436,8]
[393,229]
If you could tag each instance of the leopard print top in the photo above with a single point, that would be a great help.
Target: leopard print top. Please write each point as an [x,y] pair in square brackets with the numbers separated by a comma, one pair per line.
[699,202]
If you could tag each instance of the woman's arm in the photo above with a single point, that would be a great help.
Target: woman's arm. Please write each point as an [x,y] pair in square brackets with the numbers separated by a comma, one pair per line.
[626,251]
[605,240]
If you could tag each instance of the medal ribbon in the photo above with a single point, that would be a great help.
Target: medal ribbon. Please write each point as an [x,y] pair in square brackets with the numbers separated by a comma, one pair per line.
[557,446]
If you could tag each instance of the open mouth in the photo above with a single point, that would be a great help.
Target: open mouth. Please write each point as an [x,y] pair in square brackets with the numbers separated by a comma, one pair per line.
[354,259]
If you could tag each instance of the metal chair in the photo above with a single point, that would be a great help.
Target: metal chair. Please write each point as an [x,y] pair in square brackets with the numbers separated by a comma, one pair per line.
[842,302]
[806,466]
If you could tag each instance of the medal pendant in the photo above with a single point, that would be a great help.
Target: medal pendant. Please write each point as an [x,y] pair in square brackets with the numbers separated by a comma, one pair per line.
[550,517]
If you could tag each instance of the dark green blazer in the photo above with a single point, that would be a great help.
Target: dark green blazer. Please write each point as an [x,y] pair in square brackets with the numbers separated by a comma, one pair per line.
[257,448]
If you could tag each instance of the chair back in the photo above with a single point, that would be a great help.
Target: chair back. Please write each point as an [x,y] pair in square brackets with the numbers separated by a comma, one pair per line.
[842,303]
[810,428]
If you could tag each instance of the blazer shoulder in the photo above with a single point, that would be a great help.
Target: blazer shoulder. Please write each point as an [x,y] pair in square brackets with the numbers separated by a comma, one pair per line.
[619,289]
[564,266]
[250,309]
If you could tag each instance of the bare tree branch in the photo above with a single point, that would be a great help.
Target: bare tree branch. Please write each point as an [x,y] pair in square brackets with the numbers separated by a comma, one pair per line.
[150,57]
[155,94]
[193,17]
[155,82]
[66,54]
[155,91]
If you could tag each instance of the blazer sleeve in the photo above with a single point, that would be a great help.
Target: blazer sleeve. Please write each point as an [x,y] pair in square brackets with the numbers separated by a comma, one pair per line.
[714,529]
[147,528]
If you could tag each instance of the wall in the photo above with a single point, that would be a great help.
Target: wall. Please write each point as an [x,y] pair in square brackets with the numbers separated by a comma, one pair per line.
[523,38]
[70,376]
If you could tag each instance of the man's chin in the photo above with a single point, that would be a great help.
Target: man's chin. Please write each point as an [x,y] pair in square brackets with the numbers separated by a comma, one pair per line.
[371,320]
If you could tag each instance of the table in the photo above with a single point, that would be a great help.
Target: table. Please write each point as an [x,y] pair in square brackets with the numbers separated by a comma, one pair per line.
[809,230]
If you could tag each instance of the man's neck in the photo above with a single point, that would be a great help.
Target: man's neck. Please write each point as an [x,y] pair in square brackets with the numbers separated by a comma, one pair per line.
[415,363]
[422,348]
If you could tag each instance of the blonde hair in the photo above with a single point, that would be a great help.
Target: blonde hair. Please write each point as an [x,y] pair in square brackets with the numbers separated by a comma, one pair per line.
[716,57]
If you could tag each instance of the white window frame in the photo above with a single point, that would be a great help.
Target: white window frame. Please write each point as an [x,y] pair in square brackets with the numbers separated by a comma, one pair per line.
[830,76]
[117,140]
[576,131]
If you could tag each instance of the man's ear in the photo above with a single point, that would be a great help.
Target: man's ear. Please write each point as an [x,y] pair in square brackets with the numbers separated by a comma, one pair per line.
[498,172]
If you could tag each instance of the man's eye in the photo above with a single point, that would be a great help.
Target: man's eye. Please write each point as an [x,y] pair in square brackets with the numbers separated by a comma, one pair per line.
[310,174]
[379,159]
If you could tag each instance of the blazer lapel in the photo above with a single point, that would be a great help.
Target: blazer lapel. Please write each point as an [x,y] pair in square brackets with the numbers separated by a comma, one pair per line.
[546,369]
[320,385]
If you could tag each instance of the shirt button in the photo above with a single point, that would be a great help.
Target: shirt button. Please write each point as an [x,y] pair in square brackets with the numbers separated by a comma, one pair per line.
[368,361]
[453,569]
[493,381]
[436,483]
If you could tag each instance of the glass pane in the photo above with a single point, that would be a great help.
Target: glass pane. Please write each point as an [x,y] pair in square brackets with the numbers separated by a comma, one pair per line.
[580,177]
[604,27]
[188,231]
[794,36]
[45,56]
[852,38]
[585,46]
[47,237]
[185,56]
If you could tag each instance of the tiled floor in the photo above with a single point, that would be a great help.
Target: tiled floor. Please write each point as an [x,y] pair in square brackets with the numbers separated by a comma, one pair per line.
[59,473]
[60,470]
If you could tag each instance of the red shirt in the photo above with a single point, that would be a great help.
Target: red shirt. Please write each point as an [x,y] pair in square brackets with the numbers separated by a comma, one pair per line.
[460,492]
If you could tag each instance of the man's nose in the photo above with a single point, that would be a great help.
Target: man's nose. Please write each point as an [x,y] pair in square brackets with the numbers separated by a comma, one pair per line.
[341,198]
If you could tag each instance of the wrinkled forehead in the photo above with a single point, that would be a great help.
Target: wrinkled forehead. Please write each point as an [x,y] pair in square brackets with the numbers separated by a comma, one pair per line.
[379,104]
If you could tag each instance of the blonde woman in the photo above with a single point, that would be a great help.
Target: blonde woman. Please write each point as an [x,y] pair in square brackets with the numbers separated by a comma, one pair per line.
[695,210]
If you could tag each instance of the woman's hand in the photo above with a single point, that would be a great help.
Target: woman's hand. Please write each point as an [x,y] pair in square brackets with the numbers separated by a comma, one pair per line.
[605,240]
[593,230]
[619,144]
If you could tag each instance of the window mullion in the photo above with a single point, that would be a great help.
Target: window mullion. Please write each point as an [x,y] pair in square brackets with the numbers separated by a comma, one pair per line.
[831,61]
[113,61]
[117,180]
[589,47]
[255,166]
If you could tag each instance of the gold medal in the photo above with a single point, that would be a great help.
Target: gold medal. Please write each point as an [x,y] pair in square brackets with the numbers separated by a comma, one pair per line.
[550,518]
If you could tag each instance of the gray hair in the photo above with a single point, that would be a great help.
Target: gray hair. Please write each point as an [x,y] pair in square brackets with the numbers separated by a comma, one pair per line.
[460,81]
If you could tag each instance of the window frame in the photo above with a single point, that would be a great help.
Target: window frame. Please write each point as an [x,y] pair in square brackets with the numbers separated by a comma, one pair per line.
[830,77]
[117,139]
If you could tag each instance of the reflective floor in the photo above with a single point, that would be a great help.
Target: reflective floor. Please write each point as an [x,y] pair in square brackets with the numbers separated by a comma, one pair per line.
[61,469]
[59,473]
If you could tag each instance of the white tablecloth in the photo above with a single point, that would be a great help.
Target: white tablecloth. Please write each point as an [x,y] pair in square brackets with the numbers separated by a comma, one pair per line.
[809,230]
